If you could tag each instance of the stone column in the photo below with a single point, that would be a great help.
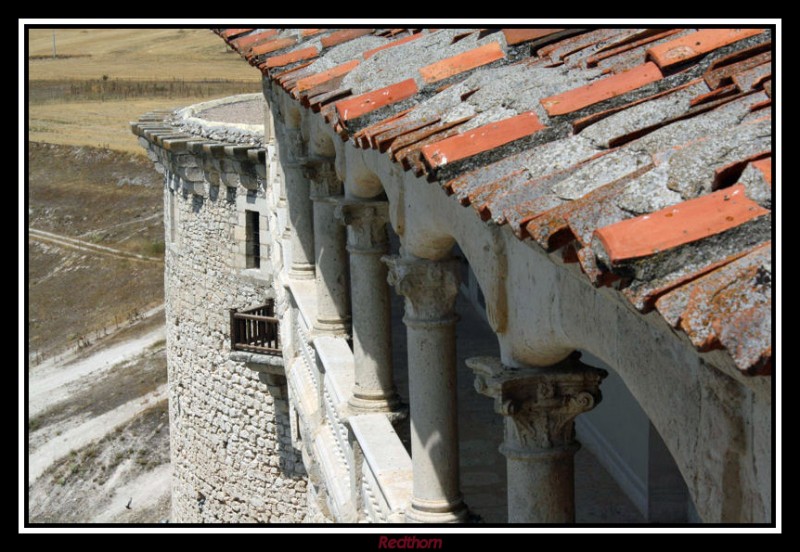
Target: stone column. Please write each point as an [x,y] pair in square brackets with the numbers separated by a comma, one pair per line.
[430,289]
[367,241]
[540,405]
[333,294]
[292,153]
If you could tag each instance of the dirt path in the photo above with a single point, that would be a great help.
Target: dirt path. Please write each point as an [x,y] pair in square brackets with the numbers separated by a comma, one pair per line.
[91,430]
[120,224]
[97,465]
[89,247]
[53,380]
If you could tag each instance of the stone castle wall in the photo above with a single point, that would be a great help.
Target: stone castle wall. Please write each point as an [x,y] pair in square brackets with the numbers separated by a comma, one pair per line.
[231,446]
[232,455]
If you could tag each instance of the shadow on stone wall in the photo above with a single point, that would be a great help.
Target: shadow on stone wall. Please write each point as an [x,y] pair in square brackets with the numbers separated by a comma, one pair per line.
[290,458]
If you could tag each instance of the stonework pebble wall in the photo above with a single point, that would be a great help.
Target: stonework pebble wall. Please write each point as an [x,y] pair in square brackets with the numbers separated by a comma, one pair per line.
[232,455]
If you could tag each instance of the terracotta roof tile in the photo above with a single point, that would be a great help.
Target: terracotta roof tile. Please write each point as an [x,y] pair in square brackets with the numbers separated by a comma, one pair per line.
[248,41]
[722,92]
[696,44]
[729,306]
[292,57]
[723,74]
[232,33]
[699,125]
[481,139]
[305,33]
[753,77]
[765,166]
[400,41]
[683,223]
[768,87]
[383,137]
[310,82]
[518,36]
[437,130]
[366,136]
[345,35]
[465,61]
[638,40]
[357,106]
[598,91]
[270,46]
[559,50]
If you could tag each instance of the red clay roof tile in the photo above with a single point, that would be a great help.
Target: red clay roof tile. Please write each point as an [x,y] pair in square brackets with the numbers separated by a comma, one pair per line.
[768,87]
[367,135]
[508,191]
[598,91]
[722,92]
[357,106]
[688,47]
[679,224]
[765,166]
[246,42]
[464,61]
[345,35]
[518,36]
[753,77]
[605,53]
[723,74]
[314,80]
[271,46]
[383,137]
[228,33]
[292,57]
[369,53]
[425,135]
[727,303]
[481,139]
[310,32]
[563,48]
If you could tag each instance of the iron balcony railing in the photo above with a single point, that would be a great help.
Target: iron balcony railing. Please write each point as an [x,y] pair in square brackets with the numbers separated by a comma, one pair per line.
[256,330]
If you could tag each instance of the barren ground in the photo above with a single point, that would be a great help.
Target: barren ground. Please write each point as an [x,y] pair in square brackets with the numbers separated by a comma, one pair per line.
[98,430]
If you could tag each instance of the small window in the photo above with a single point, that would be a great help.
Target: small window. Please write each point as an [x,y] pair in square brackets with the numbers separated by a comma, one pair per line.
[253,245]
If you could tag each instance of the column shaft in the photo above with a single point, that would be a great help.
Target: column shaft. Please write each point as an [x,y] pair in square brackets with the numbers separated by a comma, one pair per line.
[430,288]
[297,187]
[367,241]
[333,294]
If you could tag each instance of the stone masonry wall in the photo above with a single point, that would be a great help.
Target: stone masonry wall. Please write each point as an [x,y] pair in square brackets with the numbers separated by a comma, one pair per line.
[232,456]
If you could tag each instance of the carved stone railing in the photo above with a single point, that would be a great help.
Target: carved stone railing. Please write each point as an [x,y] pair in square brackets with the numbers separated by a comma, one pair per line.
[360,467]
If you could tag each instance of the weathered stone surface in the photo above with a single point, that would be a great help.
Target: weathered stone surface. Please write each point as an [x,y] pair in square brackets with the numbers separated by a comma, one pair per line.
[232,454]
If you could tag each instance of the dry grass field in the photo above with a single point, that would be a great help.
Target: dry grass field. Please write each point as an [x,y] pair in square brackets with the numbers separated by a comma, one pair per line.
[103,78]
[98,443]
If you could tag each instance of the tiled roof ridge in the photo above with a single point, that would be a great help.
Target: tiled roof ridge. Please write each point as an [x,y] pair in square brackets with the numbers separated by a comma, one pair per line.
[644,153]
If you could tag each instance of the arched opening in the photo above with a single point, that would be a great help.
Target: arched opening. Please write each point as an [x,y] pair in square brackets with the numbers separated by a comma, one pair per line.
[620,438]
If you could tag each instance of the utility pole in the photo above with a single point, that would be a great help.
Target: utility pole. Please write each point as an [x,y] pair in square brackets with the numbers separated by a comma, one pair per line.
[54,44]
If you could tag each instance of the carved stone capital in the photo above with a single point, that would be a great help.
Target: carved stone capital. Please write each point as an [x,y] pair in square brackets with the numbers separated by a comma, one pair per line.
[542,403]
[430,288]
[366,222]
[320,171]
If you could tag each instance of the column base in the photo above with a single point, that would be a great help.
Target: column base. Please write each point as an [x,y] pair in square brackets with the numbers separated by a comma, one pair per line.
[392,407]
[440,512]
[332,327]
[302,271]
